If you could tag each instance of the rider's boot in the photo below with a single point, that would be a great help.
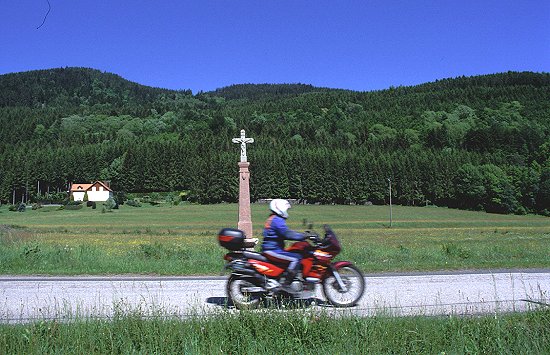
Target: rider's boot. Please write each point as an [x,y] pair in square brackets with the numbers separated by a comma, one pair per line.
[289,277]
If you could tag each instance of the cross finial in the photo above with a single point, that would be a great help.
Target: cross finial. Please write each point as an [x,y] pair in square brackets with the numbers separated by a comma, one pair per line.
[243,141]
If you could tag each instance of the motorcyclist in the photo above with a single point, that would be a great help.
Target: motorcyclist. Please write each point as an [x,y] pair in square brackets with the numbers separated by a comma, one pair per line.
[274,235]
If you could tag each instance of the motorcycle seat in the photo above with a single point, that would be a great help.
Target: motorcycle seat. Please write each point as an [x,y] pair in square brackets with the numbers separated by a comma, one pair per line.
[254,255]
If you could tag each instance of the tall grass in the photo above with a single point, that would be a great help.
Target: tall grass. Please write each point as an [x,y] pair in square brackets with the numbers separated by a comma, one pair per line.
[302,332]
[181,240]
[155,257]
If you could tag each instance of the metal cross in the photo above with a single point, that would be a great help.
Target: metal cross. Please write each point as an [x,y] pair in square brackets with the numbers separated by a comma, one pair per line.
[243,141]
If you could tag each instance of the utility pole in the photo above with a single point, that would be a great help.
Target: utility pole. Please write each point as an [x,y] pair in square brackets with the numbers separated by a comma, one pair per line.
[389,183]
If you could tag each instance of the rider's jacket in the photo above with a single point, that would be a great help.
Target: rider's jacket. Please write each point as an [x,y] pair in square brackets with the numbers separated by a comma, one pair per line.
[275,233]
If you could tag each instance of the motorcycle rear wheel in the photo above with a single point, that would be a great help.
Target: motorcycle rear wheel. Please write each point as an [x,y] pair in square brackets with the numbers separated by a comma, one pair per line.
[353,280]
[236,292]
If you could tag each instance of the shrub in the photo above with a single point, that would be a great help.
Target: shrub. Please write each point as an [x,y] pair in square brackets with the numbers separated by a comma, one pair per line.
[169,199]
[155,196]
[133,203]
[120,197]
[110,204]
[521,211]
[18,207]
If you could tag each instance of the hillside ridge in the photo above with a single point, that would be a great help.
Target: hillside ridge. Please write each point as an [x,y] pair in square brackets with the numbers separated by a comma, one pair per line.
[32,88]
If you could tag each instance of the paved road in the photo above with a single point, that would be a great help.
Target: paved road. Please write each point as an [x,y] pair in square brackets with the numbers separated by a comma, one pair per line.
[32,298]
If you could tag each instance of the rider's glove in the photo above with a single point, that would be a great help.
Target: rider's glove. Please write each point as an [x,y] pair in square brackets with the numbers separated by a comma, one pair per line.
[311,236]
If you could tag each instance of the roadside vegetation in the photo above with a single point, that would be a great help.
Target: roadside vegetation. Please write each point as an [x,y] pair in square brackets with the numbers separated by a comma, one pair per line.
[165,239]
[299,331]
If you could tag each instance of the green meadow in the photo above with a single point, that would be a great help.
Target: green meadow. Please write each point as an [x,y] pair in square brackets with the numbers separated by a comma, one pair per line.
[292,332]
[181,240]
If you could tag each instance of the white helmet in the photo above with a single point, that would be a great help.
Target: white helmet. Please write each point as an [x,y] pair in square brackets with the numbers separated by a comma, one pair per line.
[280,207]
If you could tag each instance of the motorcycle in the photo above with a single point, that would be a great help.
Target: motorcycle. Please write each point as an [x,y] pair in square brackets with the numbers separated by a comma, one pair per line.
[254,277]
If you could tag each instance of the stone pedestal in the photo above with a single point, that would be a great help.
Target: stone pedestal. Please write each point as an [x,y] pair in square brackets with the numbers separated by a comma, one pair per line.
[245,216]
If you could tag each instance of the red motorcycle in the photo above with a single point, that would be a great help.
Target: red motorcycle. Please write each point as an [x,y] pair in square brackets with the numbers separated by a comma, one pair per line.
[254,277]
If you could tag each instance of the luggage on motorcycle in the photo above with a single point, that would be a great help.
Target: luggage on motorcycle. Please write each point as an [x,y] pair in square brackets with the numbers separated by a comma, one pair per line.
[231,238]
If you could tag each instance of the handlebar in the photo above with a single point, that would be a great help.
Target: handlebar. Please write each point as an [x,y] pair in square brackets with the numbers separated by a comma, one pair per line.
[312,236]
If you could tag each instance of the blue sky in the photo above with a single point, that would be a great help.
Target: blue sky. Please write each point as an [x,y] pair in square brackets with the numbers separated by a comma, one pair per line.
[206,44]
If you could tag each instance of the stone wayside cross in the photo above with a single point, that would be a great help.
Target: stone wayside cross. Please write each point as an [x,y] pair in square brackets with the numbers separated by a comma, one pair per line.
[243,141]
[245,218]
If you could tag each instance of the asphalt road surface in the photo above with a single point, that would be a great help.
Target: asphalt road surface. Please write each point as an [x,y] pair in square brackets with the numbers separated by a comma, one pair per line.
[31,298]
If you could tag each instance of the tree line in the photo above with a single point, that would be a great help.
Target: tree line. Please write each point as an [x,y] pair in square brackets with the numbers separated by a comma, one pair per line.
[477,143]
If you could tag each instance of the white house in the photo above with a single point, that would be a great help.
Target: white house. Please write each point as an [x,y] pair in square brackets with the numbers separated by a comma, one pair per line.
[97,191]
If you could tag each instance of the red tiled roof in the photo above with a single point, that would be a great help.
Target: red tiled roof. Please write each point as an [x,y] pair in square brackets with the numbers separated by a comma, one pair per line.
[85,187]
[80,187]
[102,184]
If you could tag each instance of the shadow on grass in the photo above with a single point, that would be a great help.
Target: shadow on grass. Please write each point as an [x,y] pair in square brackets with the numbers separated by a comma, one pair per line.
[276,302]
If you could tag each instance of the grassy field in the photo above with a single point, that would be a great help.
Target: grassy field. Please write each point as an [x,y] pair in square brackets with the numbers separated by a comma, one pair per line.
[291,332]
[181,240]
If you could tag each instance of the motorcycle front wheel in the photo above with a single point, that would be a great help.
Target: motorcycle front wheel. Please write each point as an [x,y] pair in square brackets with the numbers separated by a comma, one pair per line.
[242,293]
[354,283]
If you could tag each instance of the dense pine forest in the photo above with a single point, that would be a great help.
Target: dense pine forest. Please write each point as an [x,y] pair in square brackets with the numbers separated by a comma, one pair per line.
[478,143]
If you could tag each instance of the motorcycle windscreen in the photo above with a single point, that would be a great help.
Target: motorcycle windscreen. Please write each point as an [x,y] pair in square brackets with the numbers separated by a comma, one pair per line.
[331,243]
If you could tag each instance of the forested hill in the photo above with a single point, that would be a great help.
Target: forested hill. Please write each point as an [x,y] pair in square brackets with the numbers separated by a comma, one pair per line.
[74,86]
[473,142]
[265,91]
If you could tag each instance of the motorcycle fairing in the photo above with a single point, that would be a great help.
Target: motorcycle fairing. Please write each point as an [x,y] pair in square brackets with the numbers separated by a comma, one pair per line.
[322,256]
[307,263]
[266,268]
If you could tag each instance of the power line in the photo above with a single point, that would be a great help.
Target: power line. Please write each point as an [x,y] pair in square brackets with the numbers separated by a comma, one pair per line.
[47,13]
